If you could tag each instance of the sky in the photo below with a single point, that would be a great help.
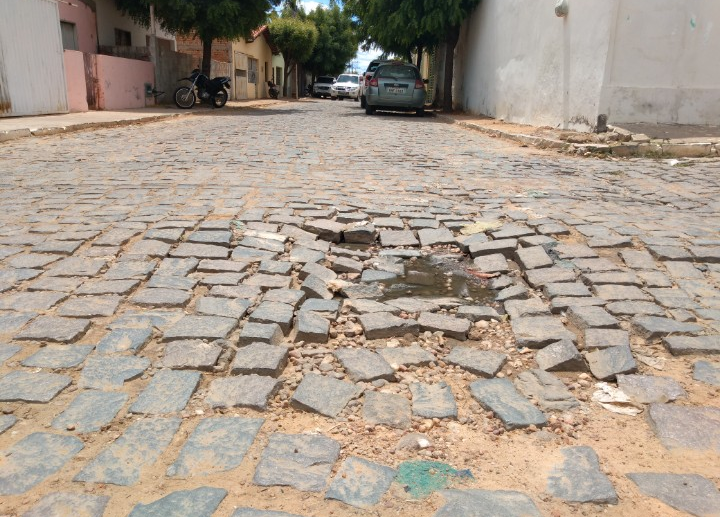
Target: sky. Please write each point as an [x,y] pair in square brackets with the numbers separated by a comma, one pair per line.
[362,58]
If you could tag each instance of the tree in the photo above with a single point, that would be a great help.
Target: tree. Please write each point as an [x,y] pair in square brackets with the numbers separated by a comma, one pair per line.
[206,19]
[337,41]
[295,38]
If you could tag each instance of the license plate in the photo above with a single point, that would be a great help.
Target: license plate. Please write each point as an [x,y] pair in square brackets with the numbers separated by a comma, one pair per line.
[395,90]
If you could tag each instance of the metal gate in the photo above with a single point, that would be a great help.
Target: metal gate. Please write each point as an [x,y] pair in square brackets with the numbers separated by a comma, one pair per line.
[32,72]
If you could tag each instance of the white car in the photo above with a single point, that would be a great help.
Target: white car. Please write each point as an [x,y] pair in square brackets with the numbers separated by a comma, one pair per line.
[347,86]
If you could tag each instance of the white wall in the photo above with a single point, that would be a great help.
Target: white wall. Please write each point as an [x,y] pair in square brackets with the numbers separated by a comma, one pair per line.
[635,60]
[109,19]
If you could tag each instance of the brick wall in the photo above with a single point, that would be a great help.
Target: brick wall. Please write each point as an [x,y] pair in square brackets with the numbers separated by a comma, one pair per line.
[193,46]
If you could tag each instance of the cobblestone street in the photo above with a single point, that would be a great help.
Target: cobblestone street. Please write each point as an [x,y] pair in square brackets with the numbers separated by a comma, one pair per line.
[305,311]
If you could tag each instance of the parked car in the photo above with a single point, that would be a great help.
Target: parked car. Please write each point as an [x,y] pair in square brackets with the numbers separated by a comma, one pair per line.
[368,75]
[321,87]
[396,87]
[347,86]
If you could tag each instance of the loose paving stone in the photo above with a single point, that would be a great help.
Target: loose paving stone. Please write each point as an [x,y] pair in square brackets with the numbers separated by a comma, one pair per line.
[389,222]
[595,265]
[477,313]
[200,327]
[56,283]
[539,331]
[253,332]
[605,338]
[370,275]
[347,265]
[160,297]
[274,312]
[364,365]
[395,238]
[190,355]
[360,233]
[606,363]
[315,287]
[176,266]
[570,289]
[450,326]
[635,309]
[90,411]
[433,400]
[30,301]
[613,292]
[512,231]
[501,397]
[97,287]
[260,359]
[552,229]
[537,278]
[300,461]
[266,282]
[495,263]
[224,266]
[563,303]
[360,483]
[615,277]
[102,373]
[33,459]
[90,306]
[6,422]
[690,493]
[225,307]
[169,235]
[324,395]
[673,298]
[591,317]
[32,260]
[686,427]
[669,252]
[381,325]
[217,444]
[140,446]
[200,502]
[325,308]
[219,238]
[513,292]
[434,237]
[115,237]
[487,503]
[145,319]
[412,305]
[412,355]
[263,244]
[549,391]
[505,247]
[67,504]
[249,255]
[130,269]
[200,251]
[638,259]
[364,306]
[651,327]
[654,279]
[59,247]
[707,372]
[288,296]
[650,389]
[250,391]
[326,230]
[22,386]
[387,409]
[562,356]
[530,307]
[374,290]
[76,266]
[323,273]
[60,356]
[168,392]
[578,479]
[275,267]
[252,512]
[302,255]
[485,363]
[533,258]
[684,345]
[246,292]
[7,351]
[149,248]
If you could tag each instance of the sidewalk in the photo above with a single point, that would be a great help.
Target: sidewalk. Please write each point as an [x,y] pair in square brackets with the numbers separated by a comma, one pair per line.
[631,140]
[20,127]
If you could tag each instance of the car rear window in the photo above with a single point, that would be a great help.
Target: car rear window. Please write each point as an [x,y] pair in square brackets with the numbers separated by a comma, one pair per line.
[347,79]
[325,79]
[397,72]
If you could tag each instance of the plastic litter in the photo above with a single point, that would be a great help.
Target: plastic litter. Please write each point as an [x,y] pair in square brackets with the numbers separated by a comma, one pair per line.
[615,400]
[421,478]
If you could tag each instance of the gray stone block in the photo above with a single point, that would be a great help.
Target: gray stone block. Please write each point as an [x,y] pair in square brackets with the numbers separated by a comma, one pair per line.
[477,313]
[104,373]
[387,409]
[652,327]
[252,512]
[450,326]
[494,263]
[7,351]
[274,312]
[288,296]
[168,392]
[190,355]
[68,504]
[485,363]
[635,309]
[591,317]
[605,338]
[569,289]
[395,238]
[707,372]
[561,356]
[513,292]
[360,483]
[58,356]
[360,234]
[200,327]
[650,389]
[225,307]
[501,397]
[251,391]
[324,395]
[606,363]
[326,230]
[578,479]
[312,327]
[90,306]
[563,303]
[140,446]
[538,278]
[54,329]
[364,365]
[487,503]
[380,325]
[200,502]
[433,237]
[23,386]
[300,461]
[689,493]
[547,390]
[124,340]
[266,282]
[530,307]
[315,287]
[533,258]
[90,411]
[217,444]
[6,422]
[33,459]
[540,331]
[260,359]
[505,247]
[433,400]
[412,305]
[200,251]
[406,356]
[161,297]
[686,427]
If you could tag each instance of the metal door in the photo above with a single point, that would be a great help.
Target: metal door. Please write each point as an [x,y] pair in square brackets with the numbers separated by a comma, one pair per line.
[241,76]
[32,72]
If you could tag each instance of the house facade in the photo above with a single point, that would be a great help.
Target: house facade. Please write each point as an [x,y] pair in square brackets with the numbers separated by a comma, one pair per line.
[631,60]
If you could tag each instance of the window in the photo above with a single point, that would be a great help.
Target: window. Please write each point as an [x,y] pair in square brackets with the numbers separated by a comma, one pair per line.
[122,38]
[252,70]
[69,36]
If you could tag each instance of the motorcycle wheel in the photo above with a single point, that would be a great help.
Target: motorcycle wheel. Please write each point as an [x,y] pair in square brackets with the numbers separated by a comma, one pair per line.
[220,99]
[184,98]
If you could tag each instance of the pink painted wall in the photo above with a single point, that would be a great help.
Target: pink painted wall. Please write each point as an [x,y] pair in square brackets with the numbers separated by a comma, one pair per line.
[121,82]
[85,24]
[75,80]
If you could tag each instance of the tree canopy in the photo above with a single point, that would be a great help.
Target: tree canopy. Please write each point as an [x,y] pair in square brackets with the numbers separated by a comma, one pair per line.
[295,37]
[207,19]
[337,41]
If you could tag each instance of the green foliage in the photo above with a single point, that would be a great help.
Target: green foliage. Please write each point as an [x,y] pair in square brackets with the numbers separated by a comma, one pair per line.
[294,37]
[337,41]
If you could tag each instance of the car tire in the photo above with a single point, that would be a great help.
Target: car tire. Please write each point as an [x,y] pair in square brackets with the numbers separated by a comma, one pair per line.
[369,110]
[363,103]
[420,112]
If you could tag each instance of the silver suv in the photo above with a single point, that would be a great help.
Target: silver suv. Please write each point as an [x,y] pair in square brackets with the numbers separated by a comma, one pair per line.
[367,76]
[322,86]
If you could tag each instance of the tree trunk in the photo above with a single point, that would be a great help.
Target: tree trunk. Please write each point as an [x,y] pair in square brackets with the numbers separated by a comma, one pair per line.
[286,84]
[207,55]
[419,55]
[450,44]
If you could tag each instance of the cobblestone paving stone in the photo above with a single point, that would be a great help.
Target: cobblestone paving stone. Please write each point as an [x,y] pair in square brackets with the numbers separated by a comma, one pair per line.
[141,268]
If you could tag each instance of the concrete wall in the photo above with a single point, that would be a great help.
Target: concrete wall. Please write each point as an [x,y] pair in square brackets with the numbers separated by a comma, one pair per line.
[260,50]
[83,16]
[171,66]
[121,82]
[75,79]
[635,60]
[109,19]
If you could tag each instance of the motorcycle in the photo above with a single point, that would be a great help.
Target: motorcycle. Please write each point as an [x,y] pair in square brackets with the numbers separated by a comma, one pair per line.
[208,90]
[273,90]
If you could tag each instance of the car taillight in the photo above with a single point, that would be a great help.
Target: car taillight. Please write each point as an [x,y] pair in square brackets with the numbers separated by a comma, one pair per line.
[419,84]
[367,80]
[374,82]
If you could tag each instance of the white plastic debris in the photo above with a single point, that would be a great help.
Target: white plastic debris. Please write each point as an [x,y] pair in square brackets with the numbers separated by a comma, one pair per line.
[615,400]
